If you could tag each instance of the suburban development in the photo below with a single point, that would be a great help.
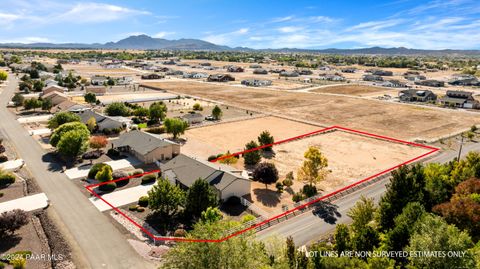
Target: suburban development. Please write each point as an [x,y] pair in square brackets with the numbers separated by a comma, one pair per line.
[220,153]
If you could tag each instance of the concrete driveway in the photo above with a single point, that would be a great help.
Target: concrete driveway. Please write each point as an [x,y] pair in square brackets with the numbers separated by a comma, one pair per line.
[27,203]
[82,171]
[13,165]
[121,198]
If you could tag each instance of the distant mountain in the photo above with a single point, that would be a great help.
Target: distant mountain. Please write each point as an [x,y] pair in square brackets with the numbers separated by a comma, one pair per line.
[145,42]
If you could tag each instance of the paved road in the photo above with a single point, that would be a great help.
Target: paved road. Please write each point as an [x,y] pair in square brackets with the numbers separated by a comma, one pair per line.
[102,244]
[309,227]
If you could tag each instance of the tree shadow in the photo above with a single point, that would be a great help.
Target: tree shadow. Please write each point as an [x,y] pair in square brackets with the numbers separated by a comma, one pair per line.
[55,164]
[267,197]
[8,242]
[268,154]
[233,207]
[326,211]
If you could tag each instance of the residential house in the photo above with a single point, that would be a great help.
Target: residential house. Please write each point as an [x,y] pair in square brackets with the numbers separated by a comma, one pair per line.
[148,148]
[260,71]
[174,73]
[378,72]
[430,83]
[55,97]
[184,171]
[332,77]
[255,66]
[412,95]
[152,76]
[459,99]
[304,72]
[393,83]
[349,70]
[414,77]
[98,80]
[464,80]
[277,71]
[195,75]
[169,62]
[220,78]
[235,69]
[53,88]
[289,74]
[68,106]
[372,78]
[205,64]
[124,80]
[256,82]
[193,118]
[104,122]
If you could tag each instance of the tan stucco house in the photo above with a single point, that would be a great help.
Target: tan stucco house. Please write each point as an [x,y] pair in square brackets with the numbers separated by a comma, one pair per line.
[146,147]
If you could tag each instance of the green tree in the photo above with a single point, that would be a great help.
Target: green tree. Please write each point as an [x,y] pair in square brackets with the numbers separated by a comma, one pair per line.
[365,239]
[90,98]
[47,105]
[38,85]
[165,199]
[239,252]
[141,112]
[157,111]
[291,252]
[18,99]
[73,143]
[3,75]
[266,173]
[342,238]
[211,214]
[64,128]
[175,126]
[313,169]
[431,233]
[265,139]
[62,118]
[217,112]
[252,157]
[437,182]
[406,185]
[117,109]
[197,106]
[32,103]
[362,213]
[200,196]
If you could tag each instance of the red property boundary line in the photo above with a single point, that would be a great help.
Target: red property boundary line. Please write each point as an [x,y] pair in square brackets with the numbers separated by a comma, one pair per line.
[180,239]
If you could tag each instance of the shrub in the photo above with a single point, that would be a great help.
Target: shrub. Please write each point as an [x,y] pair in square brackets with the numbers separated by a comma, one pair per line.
[279,187]
[6,179]
[140,209]
[473,128]
[156,130]
[2,265]
[309,190]
[180,233]
[287,182]
[96,168]
[113,153]
[18,262]
[143,201]
[137,172]
[133,207]
[297,197]
[118,175]
[109,187]
[3,158]
[211,158]
[247,218]
[150,178]
[10,221]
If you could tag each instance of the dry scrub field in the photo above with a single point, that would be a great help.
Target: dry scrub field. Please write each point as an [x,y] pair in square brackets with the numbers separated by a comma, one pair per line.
[356,90]
[391,119]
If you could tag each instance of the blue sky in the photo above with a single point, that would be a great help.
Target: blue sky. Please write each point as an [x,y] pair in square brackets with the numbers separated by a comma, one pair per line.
[437,24]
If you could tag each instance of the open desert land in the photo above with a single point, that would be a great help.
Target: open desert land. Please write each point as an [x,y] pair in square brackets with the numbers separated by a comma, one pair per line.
[401,121]
[232,136]
[357,90]
[90,70]
[351,157]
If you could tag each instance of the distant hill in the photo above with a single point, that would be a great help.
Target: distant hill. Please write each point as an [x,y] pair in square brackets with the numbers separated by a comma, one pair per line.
[145,42]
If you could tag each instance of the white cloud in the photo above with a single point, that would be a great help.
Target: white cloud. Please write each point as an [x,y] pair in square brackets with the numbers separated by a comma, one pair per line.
[289,29]
[226,38]
[27,40]
[97,12]
[375,25]
[163,34]
[282,19]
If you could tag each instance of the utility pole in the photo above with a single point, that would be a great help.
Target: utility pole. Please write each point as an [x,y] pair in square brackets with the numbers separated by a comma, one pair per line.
[460,150]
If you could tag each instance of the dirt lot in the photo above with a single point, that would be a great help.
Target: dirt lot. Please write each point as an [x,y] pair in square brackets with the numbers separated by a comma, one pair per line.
[218,138]
[356,90]
[392,119]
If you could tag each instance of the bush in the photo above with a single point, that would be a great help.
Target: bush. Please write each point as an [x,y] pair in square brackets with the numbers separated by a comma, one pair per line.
[247,218]
[2,265]
[150,178]
[297,197]
[6,179]
[109,187]
[279,187]
[156,130]
[92,155]
[137,172]
[143,201]
[10,221]
[133,207]
[3,158]
[119,174]
[211,158]
[180,233]
[473,128]
[113,153]
[309,190]
[18,262]
[140,209]
[95,169]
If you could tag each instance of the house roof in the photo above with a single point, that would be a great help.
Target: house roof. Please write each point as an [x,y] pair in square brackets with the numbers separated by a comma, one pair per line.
[68,105]
[187,170]
[141,142]
[54,94]
[447,99]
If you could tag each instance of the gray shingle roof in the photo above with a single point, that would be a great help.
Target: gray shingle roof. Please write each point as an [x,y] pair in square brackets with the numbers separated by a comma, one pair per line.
[187,170]
[141,142]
